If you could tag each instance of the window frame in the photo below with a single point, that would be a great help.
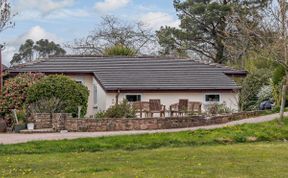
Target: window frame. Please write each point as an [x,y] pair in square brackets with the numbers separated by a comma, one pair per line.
[206,94]
[133,94]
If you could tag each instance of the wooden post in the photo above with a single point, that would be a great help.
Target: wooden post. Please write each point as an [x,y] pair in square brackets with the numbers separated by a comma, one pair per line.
[1,69]
[117,97]
[79,111]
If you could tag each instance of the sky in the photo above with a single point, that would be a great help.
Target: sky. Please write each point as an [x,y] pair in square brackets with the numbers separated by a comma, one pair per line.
[65,20]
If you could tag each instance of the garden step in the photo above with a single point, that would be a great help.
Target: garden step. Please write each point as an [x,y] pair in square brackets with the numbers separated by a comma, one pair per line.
[49,130]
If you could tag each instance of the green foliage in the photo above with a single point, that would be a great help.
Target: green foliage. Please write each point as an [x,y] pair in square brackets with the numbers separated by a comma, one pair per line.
[251,86]
[70,93]
[265,93]
[122,110]
[15,91]
[119,50]
[278,75]
[47,105]
[21,116]
[203,25]
[42,48]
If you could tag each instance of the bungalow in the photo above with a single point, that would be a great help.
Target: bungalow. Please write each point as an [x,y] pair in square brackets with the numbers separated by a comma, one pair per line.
[110,79]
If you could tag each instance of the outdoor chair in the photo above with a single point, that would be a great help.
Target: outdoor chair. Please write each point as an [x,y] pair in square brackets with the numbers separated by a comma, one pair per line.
[141,107]
[195,107]
[156,107]
[179,108]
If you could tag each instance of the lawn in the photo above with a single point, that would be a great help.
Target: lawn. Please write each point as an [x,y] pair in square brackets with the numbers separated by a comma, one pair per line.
[250,150]
[237,160]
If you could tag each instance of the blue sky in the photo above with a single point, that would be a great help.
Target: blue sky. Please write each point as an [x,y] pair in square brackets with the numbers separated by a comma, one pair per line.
[65,20]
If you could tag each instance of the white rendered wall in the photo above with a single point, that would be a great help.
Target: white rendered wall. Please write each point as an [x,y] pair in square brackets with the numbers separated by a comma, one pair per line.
[230,98]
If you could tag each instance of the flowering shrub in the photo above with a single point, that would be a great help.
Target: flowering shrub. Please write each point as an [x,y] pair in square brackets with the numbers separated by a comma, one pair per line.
[15,91]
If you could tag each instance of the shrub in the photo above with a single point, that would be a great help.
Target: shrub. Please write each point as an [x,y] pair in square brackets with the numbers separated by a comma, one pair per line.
[47,105]
[122,110]
[216,108]
[15,91]
[278,75]
[70,93]
[251,86]
[265,93]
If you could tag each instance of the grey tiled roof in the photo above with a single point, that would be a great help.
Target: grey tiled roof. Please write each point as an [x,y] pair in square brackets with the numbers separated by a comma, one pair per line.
[141,73]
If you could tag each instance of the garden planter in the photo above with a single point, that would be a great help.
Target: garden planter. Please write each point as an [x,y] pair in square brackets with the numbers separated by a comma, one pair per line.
[3,126]
[30,126]
[19,127]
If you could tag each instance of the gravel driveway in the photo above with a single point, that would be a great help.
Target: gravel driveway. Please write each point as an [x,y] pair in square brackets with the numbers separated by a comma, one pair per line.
[22,138]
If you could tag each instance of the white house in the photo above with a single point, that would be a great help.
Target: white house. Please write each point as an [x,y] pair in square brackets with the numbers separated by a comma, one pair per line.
[142,78]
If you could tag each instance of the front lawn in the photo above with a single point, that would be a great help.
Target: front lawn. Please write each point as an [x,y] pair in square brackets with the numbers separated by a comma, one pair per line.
[225,152]
[237,160]
[270,131]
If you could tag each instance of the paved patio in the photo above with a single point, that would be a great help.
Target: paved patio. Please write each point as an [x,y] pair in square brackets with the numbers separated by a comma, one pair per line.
[22,138]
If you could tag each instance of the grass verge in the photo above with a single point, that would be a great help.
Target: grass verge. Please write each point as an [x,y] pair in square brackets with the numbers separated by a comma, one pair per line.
[270,131]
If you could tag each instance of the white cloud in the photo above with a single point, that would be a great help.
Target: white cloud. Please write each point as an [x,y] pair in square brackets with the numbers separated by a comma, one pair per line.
[44,9]
[35,33]
[157,19]
[64,13]
[109,5]
[7,54]
[44,6]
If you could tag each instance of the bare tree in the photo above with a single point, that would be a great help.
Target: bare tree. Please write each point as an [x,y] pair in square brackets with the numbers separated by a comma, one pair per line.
[111,32]
[269,40]
[5,15]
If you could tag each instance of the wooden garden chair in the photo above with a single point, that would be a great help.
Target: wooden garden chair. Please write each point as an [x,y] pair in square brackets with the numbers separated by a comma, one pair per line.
[179,108]
[156,107]
[141,107]
[195,107]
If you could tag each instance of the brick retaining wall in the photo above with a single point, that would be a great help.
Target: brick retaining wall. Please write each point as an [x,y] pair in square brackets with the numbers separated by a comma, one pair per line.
[66,122]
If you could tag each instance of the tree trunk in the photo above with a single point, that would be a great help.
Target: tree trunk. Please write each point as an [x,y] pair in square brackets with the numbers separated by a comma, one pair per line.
[283,100]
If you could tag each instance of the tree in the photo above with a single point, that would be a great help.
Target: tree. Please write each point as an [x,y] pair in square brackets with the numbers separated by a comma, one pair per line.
[207,25]
[5,15]
[114,32]
[119,50]
[272,41]
[15,91]
[69,93]
[41,49]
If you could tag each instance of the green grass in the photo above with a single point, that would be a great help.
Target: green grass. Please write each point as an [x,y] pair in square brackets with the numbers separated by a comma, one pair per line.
[270,131]
[236,160]
[225,152]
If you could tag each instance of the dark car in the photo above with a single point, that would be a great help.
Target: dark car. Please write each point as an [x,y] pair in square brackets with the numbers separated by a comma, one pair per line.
[265,105]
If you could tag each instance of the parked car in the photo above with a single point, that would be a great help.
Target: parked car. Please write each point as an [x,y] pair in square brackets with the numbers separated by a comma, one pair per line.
[265,105]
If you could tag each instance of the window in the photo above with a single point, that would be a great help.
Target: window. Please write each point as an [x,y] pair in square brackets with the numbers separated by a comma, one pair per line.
[95,94]
[212,98]
[133,98]
[79,82]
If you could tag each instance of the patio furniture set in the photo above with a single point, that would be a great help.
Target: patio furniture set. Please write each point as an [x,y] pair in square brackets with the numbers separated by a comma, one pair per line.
[182,108]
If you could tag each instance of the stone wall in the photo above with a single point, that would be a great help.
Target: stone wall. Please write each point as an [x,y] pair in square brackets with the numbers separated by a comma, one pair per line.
[65,122]
[41,120]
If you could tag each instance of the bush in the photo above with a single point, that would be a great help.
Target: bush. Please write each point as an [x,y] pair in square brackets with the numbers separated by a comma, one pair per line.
[47,105]
[251,86]
[216,108]
[122,110]
[15,91]
[265,93]
[70,93]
